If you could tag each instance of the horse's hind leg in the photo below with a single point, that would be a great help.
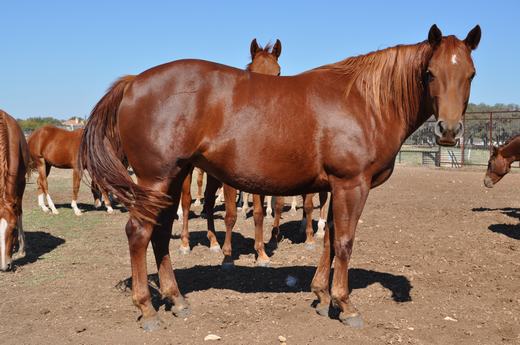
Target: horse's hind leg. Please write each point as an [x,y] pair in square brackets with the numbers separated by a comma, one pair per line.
[185,205]
[200,180]
[323,214]
[212,184]
[160,241]
[96,194]
[76,180]
[230,195]
[245,206]
[49,200]
[107,202]
[320,282]
[21,238]
[294,202]
[278,208]
[43,187]
[258,216]
[308,208]
[268,209]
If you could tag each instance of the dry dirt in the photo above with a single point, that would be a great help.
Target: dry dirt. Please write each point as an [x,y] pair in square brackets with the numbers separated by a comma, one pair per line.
[436,261]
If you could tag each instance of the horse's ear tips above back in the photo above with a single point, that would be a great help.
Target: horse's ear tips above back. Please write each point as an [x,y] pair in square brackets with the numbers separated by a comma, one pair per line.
[254,47]
[473,38]
[277,48]
[434,35]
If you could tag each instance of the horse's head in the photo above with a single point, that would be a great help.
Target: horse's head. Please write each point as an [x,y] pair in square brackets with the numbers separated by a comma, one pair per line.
[498,167]
[8,237]
[448,81]
[265,60]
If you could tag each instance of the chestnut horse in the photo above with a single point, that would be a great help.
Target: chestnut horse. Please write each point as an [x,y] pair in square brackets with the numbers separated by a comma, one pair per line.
[501,159]
[335,128]
[265,61]
[52,146]
[14,164]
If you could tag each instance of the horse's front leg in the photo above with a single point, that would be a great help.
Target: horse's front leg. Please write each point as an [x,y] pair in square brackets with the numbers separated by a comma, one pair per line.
[230,195]
[324,196]
[185,204]
[258,216]
[348,202]
[212,185]
[76,181]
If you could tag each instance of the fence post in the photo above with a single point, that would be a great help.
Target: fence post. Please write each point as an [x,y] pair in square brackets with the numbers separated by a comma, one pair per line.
[463,139]
[490,132]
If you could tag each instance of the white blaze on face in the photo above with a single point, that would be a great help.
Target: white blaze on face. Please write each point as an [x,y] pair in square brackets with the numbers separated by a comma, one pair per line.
[3,252]
[454,59]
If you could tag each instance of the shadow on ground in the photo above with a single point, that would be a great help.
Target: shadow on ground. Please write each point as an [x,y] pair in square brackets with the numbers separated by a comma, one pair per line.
[510,230]
[267,279]
[38,243]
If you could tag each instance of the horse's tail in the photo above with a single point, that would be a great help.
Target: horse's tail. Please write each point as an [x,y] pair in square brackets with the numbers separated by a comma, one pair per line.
[4,154]
[101,154]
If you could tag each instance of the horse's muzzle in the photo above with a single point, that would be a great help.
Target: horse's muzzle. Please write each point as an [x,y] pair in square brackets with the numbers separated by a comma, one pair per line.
[448,135]
[488,182]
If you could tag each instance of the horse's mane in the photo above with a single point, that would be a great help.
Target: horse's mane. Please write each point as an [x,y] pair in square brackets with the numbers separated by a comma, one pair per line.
[390,78]
[4,155]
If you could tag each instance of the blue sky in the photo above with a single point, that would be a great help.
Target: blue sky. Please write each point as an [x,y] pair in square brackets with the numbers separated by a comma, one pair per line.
[58,57]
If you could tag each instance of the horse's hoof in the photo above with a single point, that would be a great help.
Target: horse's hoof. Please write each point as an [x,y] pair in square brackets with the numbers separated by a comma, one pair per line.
[151,324]
[181,309]
[110,210]
[46,210]
[77,213]
[310,246]
[97,203]
[197,203]
[263,263]
[320,233]
[352,320]
[184,250]
[322,310]
[55,212]
[228,266]
[215,249]
[269,214]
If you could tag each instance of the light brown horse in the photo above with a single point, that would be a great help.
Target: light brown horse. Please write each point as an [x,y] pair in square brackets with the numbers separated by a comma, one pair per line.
[501,159]
[52,146]
[264,61]
[335,128]
[14,162]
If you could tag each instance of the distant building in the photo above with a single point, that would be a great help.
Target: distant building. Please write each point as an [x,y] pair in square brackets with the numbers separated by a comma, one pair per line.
[73,123]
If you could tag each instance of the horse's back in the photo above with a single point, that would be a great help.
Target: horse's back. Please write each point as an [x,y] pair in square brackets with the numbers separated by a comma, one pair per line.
[58,147]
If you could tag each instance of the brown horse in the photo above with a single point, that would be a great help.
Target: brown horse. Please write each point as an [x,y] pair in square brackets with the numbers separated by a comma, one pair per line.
[52,146]
[14,162]
[501,159]
[335,128]
[265,61]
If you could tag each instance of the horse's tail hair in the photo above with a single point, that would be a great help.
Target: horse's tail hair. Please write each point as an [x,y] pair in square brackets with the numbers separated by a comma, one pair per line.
[101,154]
[4,155]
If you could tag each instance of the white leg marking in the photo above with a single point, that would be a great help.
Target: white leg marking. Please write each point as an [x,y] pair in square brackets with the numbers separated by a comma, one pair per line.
[293,205]
[3,258]
[74,205]
[110,210]
[41,203]
[51,204]
[97,203]
[245,206]
[179,211]
[269,210]
[197,202]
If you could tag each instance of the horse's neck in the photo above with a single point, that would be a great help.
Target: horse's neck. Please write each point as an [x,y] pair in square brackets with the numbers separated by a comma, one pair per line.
[511,151]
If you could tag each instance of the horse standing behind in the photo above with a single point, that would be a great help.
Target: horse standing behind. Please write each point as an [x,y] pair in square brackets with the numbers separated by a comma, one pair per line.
[52,146]
[346,122]
[14,162]
[500,161]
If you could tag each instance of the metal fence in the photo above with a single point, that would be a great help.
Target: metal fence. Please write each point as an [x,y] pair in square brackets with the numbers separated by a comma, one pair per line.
[481,131]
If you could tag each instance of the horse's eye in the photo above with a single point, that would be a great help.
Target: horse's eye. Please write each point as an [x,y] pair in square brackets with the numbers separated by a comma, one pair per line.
[429,76]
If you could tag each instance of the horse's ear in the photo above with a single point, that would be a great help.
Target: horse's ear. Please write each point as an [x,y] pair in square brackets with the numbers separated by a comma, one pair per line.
[495,150]
[434,35]
[473,38]
[254,48]
[277,49]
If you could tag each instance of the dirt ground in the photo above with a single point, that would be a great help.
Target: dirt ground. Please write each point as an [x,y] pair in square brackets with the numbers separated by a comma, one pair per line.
[436,261]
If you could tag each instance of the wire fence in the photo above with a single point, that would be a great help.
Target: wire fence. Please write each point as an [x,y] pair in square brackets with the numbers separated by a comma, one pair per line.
[482,130]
